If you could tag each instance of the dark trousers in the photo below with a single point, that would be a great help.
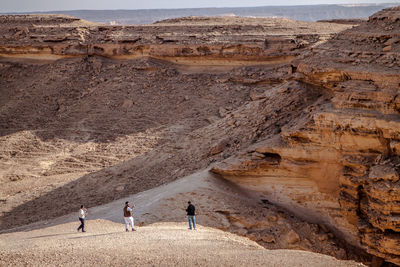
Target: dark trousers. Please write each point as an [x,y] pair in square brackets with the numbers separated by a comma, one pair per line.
[82,226]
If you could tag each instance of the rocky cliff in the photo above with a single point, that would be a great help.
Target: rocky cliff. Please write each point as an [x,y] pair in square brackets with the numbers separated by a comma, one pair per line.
[339,162]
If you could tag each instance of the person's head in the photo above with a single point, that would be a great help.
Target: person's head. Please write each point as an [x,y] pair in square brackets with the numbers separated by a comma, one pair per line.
[127,203]
[189,202]
[82,206]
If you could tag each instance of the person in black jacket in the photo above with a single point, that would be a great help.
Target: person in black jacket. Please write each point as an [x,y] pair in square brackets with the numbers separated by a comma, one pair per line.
[191,215]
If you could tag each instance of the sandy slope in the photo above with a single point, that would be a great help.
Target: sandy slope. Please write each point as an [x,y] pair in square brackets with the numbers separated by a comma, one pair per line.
[164,244]
[167,203]
[219,205]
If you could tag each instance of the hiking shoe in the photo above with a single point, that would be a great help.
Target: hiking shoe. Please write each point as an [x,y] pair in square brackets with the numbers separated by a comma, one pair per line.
[133,230]
[126,230]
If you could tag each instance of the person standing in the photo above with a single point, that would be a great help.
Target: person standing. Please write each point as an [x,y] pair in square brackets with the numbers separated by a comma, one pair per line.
[191,215]
[82,216]
[128,217]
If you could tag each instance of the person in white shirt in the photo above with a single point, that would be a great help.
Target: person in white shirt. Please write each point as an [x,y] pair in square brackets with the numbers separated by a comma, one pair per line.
[128,217]
[82,216]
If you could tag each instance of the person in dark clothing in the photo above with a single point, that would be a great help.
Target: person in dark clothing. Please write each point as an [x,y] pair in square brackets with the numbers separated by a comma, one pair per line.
[190,210]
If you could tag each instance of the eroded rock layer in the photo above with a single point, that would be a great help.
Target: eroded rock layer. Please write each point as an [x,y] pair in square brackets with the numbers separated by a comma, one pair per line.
[203,40]
[339,162]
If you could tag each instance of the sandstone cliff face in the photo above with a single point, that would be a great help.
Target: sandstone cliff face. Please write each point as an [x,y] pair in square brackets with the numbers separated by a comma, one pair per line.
[339,162]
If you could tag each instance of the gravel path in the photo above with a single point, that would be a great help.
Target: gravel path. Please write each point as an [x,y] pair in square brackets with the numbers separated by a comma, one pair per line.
[163,244]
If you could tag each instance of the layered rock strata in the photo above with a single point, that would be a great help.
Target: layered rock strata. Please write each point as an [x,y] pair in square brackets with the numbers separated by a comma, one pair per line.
[340,162]
[198,40]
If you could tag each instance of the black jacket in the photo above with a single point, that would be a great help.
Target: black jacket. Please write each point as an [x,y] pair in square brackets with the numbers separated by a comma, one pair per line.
[190,210]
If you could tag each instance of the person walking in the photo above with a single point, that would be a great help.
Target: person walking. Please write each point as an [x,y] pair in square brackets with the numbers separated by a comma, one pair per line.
[128,217]
[82,216]
[190,210]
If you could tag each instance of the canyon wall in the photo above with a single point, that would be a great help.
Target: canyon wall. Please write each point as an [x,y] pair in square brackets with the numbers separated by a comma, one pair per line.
[91,113]
[340,162]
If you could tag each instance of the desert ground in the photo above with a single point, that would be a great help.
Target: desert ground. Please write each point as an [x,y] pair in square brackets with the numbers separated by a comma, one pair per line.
[162,244]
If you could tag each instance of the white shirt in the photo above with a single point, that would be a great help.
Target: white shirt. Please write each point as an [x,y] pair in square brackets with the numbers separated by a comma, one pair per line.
[82,214]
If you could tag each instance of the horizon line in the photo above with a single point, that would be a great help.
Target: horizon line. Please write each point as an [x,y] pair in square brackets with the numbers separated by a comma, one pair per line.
[69,10]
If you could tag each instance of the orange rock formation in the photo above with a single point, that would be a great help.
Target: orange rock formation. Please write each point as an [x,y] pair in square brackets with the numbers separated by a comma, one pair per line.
[340,162]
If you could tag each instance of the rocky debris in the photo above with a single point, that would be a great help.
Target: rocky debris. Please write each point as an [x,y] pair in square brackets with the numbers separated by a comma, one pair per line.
[222,112]
[220,147]
[292,237]
[272,218]
[128,103]
[212,119]
[268,238]
[254,95]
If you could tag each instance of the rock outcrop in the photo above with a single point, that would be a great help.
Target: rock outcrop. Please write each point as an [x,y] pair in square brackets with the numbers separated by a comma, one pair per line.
[339,161]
